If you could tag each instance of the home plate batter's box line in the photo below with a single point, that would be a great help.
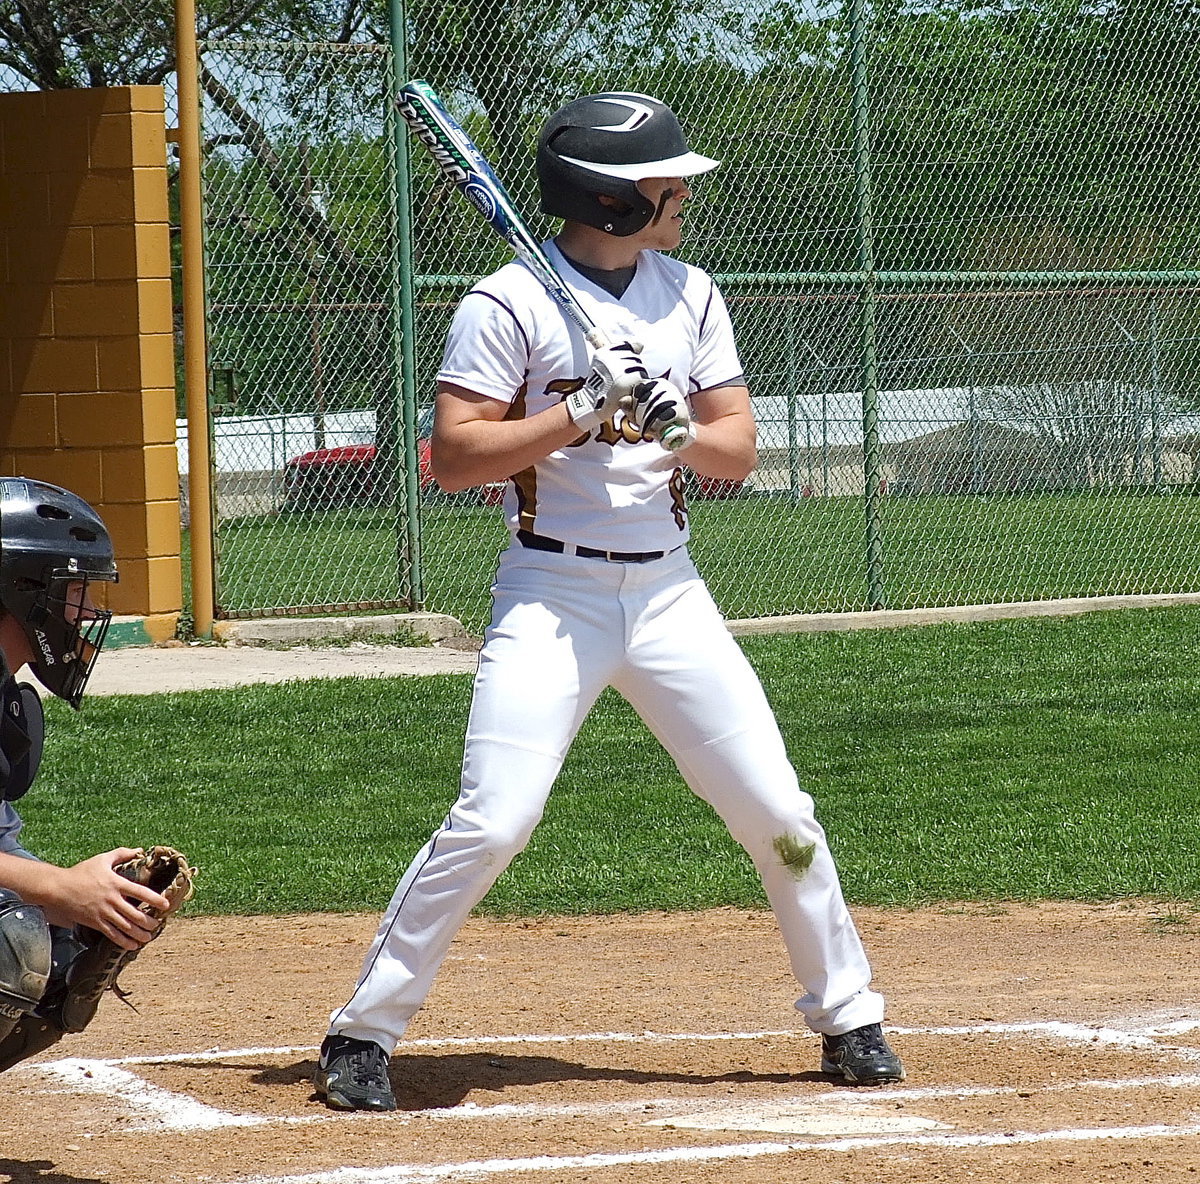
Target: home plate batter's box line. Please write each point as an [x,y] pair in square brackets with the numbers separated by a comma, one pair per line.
[1136,1037]
[164,1110]
[481,1169]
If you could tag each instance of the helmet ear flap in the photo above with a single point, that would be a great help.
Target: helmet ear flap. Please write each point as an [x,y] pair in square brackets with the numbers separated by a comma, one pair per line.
[568,191]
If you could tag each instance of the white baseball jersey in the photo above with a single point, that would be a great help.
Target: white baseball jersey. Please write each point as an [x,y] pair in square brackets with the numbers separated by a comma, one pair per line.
[510,341]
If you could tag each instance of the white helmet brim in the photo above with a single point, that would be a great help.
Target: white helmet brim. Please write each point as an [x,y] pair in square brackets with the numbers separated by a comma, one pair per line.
[687,165]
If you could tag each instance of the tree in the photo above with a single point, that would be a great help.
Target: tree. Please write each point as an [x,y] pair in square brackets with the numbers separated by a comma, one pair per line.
[1029,135]
[288,106]
[60,44]
[1104,432]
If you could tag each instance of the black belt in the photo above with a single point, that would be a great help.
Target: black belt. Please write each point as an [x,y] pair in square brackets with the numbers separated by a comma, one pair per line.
[539,542]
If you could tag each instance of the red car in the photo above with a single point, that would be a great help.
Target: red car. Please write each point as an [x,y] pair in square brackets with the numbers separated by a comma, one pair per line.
[334,478]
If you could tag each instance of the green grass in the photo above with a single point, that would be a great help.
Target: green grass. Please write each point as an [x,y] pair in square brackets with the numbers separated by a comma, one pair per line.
[769,556]
[761,555]
[349,557]
[1034,759]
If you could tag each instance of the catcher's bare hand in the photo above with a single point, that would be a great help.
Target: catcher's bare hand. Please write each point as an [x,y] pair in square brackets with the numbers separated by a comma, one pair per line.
[95,895]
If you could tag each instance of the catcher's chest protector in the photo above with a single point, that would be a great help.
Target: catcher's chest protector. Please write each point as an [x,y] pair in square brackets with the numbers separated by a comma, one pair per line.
[22,730]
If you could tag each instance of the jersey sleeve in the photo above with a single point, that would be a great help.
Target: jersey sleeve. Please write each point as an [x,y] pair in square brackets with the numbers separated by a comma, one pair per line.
[487,351]
[716,362]
[10,829]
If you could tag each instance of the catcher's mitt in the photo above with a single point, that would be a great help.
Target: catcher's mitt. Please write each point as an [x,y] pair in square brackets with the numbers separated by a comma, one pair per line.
[85,963]
[95,970]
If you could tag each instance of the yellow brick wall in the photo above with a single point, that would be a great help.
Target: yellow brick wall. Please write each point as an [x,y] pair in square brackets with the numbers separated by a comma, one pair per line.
[87,376]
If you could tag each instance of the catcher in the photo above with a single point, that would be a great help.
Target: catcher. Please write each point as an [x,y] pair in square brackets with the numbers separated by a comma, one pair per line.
[65,932]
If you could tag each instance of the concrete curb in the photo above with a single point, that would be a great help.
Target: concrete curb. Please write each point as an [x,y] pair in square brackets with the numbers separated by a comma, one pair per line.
[447,632]
[899,618]
[434,628]
[176,666]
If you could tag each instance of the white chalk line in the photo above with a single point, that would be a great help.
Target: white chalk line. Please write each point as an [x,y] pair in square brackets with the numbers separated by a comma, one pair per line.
[1078,1033]
[505,1111]
[647,1037]
[483,1168]
[508,1110]
[1138,1038]
[161,1109]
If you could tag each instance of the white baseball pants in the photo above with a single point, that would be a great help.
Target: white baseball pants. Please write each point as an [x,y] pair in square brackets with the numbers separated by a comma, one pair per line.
[563,628]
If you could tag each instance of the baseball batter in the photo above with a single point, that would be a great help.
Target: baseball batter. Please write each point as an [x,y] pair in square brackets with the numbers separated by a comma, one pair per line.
[596,588]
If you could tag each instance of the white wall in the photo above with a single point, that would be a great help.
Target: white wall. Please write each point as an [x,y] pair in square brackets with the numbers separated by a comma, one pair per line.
[264,443]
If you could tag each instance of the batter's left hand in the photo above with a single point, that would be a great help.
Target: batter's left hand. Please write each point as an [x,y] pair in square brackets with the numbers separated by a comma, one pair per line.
[661,413]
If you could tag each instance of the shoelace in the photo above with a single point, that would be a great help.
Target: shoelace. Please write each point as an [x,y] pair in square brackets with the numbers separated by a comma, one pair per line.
[866,1040]
[367,1068]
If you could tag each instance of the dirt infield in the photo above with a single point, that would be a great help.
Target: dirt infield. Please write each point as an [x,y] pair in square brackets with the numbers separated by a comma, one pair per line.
[1051,1041]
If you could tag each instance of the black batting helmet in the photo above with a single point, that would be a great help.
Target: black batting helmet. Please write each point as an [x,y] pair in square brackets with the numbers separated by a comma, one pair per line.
[605,144]
[49,540]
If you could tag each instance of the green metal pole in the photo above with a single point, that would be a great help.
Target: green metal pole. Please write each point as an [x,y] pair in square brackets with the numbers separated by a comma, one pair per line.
[1156,432]
[409,531]
[793,406]
[872,470]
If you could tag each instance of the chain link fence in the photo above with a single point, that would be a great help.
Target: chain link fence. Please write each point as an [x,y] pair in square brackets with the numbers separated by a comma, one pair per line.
[958,241]
[304,327]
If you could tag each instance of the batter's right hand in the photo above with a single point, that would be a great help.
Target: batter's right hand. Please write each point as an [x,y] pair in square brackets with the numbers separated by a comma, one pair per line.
[661,412]
[616,371]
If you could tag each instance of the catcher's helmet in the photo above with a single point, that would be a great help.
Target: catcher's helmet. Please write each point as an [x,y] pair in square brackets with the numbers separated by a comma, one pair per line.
[49,540]
[605,144]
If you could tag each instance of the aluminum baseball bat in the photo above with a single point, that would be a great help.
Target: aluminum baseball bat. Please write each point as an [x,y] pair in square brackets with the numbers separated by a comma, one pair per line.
[463,164]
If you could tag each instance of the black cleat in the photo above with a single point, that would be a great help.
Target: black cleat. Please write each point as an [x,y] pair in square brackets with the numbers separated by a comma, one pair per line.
[353,1075]
[861,1057]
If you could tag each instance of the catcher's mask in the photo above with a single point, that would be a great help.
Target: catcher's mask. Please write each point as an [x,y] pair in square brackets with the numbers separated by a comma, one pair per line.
[52,547]
[606,144]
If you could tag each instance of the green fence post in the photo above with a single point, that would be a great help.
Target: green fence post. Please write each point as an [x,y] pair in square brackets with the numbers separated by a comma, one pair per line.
[409,530]
[1156,427]
[872,473]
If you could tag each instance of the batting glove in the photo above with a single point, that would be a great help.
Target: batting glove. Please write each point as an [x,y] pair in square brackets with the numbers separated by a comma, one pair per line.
[661,413]
[616,371]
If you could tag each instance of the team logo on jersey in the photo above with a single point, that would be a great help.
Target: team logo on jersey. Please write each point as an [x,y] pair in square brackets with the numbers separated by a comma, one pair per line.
[639,114]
